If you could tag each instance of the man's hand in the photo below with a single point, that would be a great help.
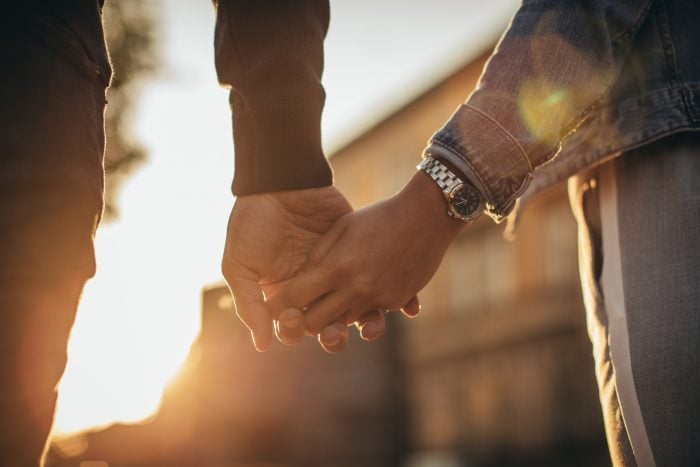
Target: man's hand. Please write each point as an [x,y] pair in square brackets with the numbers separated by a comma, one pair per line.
[375,258]
[269,238]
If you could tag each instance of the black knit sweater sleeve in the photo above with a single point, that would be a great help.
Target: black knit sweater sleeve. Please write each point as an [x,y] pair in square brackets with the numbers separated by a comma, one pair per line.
[270,53]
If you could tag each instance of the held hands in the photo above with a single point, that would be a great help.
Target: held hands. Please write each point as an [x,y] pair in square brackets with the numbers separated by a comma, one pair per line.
[377,258]
[322,267]
[269,238]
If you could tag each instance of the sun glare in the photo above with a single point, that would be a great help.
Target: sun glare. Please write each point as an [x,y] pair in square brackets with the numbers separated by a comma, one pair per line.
[125,347]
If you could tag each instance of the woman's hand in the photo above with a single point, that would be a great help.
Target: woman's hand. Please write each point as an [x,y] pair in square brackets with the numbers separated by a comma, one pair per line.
[377,258]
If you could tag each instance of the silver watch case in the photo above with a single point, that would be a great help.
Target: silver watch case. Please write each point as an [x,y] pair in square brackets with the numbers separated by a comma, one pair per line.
[463,199]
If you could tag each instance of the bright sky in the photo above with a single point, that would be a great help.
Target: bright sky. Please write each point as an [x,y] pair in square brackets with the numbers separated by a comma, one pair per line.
[140,314]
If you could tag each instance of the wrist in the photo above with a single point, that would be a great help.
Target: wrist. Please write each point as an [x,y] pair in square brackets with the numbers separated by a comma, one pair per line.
[426,199]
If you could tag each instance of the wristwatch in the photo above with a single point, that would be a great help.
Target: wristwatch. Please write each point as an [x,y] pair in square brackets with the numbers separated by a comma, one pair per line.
[463,200]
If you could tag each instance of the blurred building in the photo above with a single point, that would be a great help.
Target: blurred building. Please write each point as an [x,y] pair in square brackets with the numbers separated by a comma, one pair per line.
[497,370]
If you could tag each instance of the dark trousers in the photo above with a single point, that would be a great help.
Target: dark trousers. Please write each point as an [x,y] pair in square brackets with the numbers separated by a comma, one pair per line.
[51,182]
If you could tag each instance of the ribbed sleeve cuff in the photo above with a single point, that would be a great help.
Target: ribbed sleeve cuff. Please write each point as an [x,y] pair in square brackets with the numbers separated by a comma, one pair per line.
[278,148]
[487,155]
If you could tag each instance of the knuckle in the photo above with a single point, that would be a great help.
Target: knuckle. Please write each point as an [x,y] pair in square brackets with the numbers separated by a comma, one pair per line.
[326,273]
[364,289]
[315,257]
[343,269]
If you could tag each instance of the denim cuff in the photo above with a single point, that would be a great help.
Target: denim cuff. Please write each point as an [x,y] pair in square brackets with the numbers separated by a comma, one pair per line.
[487,155]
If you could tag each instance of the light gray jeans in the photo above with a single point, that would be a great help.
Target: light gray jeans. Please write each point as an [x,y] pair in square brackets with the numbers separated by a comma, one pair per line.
[639,252]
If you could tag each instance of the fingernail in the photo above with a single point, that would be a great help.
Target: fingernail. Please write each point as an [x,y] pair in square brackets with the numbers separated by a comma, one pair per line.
[330,336]
[290,320]
[414,313]
[371,330]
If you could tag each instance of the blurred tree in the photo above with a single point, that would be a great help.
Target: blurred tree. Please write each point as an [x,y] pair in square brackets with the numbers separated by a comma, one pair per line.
[130,29]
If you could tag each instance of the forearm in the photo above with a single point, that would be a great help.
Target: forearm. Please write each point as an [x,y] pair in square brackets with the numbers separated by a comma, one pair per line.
[270,53]
[556,61]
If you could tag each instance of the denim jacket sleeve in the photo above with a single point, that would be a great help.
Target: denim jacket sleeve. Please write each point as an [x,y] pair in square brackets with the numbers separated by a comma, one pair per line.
[554,63]
[270,53]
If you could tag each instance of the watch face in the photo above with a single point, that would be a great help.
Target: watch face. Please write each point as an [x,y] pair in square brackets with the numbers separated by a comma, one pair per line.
[465,200]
